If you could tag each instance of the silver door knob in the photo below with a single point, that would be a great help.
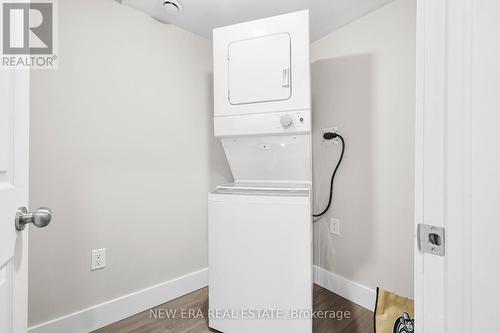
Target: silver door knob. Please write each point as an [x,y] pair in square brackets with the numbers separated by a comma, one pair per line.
[40,217]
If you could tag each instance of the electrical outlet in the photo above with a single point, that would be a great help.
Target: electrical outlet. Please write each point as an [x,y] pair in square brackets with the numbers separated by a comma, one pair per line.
[334,226]
[98,259]
[331,130]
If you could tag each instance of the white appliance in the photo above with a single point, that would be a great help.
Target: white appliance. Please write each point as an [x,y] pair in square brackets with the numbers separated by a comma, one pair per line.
[260,227]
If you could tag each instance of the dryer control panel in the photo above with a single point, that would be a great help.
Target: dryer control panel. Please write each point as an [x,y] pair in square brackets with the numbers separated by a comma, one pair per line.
[288,122]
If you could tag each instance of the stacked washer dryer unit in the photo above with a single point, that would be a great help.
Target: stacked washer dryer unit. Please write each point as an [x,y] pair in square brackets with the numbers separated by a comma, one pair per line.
[260,227]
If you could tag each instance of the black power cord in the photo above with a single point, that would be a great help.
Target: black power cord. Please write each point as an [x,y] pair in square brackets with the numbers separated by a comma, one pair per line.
[331,136]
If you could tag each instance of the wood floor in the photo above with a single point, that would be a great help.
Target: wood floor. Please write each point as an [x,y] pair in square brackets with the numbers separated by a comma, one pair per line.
[360,321]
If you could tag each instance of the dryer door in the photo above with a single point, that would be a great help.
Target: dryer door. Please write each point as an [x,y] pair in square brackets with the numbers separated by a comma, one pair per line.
[262,66]
[259,69]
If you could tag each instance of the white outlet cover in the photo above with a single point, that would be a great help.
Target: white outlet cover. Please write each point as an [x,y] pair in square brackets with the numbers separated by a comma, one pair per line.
[98,259]
[334,226]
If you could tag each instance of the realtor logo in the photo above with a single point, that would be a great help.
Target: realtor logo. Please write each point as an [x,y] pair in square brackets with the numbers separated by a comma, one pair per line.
[28,34]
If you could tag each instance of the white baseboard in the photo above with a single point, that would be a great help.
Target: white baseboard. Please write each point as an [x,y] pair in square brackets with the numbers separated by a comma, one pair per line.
[122,307]
[355,292]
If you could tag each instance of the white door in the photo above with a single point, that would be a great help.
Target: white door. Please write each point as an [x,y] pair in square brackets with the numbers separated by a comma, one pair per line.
[458,164]
[259,69]
[14,116]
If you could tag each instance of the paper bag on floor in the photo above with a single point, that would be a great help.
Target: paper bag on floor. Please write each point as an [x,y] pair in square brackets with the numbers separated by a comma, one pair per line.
[393,313]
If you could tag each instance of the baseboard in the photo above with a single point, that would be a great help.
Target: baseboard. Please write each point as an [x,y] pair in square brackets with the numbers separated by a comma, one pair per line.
[355,292]
[122,307]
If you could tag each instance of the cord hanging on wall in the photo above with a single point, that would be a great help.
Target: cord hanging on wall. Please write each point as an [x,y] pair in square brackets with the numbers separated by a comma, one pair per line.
[329,136]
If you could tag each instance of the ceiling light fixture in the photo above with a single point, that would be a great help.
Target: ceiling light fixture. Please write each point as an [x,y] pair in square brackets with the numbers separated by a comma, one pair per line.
[167,11]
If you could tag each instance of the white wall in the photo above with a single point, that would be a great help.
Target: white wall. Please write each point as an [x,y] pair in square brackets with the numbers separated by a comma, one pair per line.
[364,83]
[122,150]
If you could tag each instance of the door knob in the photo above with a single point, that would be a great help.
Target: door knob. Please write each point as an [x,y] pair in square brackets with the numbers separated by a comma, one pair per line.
[40,217]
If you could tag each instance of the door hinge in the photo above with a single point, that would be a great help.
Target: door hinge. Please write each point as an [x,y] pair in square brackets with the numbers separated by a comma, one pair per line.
[431,239]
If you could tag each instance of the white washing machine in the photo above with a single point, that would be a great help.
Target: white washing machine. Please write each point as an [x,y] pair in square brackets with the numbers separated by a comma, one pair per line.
[260,259]
[260,227]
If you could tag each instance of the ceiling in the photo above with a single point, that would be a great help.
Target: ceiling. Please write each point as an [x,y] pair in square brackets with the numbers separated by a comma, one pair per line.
[201,16]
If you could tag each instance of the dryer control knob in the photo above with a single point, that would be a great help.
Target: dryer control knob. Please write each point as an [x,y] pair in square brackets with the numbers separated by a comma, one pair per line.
[286,120]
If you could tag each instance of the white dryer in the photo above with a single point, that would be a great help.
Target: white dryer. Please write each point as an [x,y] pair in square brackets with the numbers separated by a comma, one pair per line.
[260,227]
